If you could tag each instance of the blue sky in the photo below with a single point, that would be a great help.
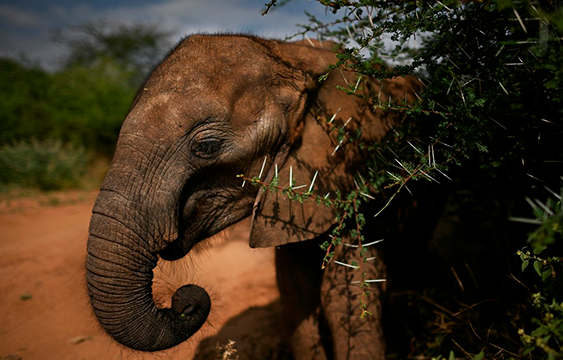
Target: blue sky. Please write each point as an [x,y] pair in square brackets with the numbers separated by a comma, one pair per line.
[26,26]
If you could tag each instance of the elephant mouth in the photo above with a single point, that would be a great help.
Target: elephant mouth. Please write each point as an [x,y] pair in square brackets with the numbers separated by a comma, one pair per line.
[175,250]
[196,223]
[178,248]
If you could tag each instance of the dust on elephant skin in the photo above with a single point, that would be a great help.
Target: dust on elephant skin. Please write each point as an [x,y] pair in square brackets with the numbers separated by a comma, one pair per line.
[216,107]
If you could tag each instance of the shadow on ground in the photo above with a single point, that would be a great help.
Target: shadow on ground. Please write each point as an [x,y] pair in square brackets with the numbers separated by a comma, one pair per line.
[256,335]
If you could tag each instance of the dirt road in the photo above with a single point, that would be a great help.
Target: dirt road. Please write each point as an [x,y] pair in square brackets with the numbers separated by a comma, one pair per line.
[44,311]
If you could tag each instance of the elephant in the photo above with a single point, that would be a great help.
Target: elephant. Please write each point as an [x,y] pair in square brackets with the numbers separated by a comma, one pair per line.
[216,107]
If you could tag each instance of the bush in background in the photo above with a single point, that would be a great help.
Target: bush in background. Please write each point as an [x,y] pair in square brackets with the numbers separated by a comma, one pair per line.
[50,121]
[46,165]
[81,106]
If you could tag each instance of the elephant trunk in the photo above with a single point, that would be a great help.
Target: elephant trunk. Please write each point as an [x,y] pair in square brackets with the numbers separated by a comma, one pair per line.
[119,273]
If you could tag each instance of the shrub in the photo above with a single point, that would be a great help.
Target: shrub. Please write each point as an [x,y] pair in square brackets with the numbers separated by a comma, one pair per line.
[47,165]
[487,126]
[544,335]
[82,106]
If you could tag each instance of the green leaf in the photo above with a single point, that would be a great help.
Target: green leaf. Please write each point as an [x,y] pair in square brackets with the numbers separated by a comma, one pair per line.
[478,356]
[541,330]
[538,266]
[525,264]
[539,249]
[452,356]
[545,274]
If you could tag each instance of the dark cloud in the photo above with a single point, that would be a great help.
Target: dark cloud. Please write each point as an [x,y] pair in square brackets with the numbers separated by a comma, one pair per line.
[26,27]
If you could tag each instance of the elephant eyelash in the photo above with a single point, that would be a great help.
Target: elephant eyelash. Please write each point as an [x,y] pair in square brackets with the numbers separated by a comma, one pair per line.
[207,147]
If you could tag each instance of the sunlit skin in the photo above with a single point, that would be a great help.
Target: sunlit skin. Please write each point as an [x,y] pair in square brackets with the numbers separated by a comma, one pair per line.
[218,107]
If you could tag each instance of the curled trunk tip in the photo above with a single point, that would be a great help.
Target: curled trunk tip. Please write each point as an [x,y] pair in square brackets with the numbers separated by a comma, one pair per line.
[121,297]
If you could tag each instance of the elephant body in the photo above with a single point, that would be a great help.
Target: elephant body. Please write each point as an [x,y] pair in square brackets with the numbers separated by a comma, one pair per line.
[216,107]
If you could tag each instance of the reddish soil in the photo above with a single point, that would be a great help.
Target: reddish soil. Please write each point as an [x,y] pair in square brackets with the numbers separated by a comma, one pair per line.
[44,310]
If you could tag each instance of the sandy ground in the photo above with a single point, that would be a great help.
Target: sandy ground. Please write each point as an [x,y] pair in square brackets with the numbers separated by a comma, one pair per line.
[44,310]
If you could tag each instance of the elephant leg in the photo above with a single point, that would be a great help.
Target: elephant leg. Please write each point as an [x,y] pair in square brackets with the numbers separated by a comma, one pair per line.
[299,275]
[353,337]
[306,340]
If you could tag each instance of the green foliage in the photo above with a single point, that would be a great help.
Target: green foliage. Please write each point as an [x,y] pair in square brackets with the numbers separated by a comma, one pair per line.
[134,48]
[488,127]
[23,108]
[545,340]
[44,165]
[81,106]
[89,105]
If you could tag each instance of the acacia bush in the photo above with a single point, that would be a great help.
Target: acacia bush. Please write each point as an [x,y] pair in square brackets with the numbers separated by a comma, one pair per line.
[488,132]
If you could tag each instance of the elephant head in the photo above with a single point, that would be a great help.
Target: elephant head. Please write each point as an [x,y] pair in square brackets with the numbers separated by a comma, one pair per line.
[216,107]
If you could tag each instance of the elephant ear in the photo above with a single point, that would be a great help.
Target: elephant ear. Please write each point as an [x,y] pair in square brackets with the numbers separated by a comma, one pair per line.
[309,153]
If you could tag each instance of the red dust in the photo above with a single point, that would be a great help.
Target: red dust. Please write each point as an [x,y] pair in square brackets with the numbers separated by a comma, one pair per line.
[44,310]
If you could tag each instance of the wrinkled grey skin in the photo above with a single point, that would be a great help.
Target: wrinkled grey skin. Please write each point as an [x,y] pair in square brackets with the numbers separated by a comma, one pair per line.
[217,107]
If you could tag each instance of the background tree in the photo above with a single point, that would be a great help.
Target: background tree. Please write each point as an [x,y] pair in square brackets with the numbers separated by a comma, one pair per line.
[76,110]
[135,47]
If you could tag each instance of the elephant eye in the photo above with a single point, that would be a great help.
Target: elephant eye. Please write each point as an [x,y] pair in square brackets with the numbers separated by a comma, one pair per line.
[206,148]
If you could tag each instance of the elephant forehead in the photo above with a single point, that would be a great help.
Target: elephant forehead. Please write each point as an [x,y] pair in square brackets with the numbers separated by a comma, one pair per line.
[172,107]
[200,88]
[179,111]
[207,77]
[201,79]
[202,63]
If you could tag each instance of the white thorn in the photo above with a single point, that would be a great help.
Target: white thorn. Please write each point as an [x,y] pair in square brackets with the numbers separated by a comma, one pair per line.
[319,38]
[349,33]
[290,175]
[262,170]
[309,40]
[364,245]
[371,19]
[446,176]
[428,176]
[348,265]
[357,83]
[313,182]
[344,77]
[367,195]
[450,10]
[334,116]
[520,20]
[414,147]
[553,193]
[403,166]
[336,148]
[525,220]
[369,281]
[373,242]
